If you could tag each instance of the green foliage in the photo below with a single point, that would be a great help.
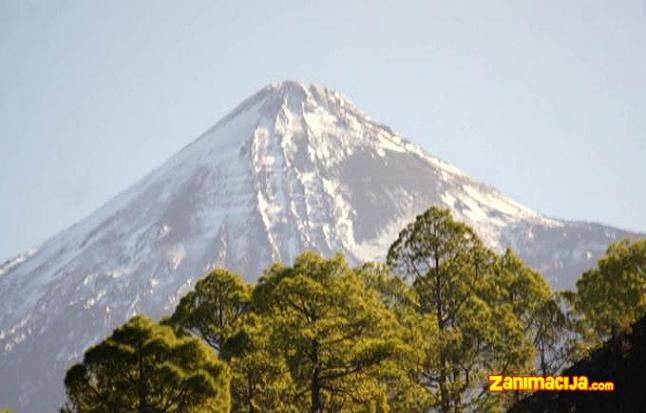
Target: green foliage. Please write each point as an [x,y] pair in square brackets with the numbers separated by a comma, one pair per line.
[214,309]
[540,311]
[319,336]
[484,308]
[613,295]
[337,338]
[260,379]
[143,367]
[406,391]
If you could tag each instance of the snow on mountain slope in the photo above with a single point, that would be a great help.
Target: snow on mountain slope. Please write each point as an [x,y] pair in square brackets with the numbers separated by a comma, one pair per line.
[293,167]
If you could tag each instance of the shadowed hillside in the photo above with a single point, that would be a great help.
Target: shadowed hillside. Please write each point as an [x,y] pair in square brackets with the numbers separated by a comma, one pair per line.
[621,360]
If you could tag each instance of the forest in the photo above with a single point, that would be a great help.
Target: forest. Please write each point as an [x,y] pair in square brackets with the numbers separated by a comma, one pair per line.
[420,332]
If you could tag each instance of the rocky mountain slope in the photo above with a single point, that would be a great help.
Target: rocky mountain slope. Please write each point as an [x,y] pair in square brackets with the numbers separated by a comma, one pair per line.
[293,167]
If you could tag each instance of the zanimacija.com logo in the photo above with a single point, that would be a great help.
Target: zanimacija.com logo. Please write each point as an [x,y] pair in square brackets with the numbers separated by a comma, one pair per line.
[501,383]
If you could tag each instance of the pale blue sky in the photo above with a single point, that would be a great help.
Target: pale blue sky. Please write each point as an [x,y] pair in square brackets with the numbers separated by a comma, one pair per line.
[545,100]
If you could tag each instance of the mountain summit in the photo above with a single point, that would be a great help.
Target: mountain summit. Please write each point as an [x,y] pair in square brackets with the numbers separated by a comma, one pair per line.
[293,167]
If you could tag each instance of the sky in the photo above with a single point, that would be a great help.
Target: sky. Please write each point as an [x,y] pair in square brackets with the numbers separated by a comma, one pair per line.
[545,100]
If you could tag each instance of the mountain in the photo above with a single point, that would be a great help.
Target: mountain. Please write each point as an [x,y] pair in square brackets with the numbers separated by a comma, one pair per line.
[293,167]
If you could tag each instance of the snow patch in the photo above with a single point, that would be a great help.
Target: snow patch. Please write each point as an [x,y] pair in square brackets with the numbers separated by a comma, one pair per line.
[12,263]
[90,302]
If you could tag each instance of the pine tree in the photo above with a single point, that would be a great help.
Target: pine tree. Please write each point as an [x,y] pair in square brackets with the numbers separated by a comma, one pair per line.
[335,336]
[143,367]
[404,380]
[476,331]
[539,310]
[613,295]
[214,310]
[260,377]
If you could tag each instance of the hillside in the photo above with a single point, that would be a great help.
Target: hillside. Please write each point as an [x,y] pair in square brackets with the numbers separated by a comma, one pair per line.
[621,360]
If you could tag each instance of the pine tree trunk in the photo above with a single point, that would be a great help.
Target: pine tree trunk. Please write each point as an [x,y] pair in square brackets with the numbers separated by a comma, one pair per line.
[250,396]
[143,405]
[315,388]
[445,405]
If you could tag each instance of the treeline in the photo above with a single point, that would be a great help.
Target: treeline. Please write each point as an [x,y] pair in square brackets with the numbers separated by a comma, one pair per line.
[419,333]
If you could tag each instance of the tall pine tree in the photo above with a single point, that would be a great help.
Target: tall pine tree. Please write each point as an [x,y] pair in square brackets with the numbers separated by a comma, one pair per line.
[453,276]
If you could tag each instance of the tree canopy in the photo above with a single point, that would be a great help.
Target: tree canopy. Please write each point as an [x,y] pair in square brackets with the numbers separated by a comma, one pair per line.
[317,337]
[485,308]
[613,295]
[420,333]
[334,334]
[214,309]
[143,367]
